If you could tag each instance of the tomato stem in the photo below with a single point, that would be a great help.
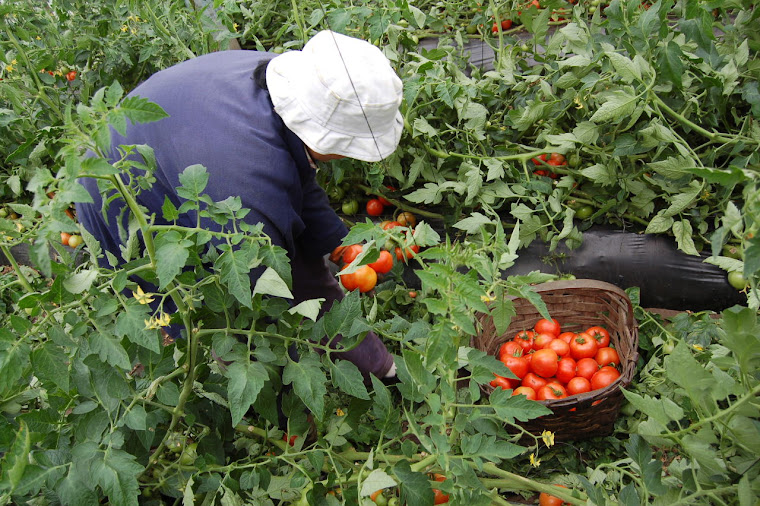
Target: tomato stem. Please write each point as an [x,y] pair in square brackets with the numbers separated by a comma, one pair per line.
[16,268]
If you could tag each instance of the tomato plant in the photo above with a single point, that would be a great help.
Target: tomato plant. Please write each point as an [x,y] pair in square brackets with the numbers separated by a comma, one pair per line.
[350,207]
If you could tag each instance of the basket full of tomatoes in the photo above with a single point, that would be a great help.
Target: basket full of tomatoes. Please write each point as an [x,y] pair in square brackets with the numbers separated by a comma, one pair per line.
[575,363]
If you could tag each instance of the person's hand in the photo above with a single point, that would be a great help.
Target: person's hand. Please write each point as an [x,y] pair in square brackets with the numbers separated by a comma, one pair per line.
[391,372]
[337,254]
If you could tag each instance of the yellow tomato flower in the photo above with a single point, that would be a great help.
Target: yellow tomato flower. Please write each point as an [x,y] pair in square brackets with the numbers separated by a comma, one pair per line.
[142,297]
[235,26]
[534,461]
[698,347]
[548,437]
[339,412]
[9,68]
[124,28]
[163,320]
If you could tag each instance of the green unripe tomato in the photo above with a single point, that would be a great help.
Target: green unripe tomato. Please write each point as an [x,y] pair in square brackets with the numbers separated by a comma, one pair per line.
[11,408]
[75,240]
[574,160]
[584,212]
[3,212]
[350,207]
[278,50]
[393,501]
[737,280]
[731,251]
[472,29]
[189,454]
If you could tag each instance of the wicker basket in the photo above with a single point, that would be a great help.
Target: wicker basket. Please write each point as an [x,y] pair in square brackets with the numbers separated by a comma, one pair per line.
[577,305]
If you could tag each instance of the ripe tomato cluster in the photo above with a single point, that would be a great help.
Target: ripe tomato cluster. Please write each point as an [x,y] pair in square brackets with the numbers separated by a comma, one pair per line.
[366,276]
[552,364]
[553,159]
[72,241]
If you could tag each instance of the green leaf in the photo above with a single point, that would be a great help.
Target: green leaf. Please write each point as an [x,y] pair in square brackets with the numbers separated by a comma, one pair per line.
[245,383]
[670,64]
[659,223]
[473,223]
[109,350]
[502,310]
[618,107]
[341,316]
[682,200]
[599,174]
[662,409]
[193,180]
[415,487]
[81,281]
[170,259]
[376,480]
[50,365]
[624,67]
[131,324]
[346,376]
[683,233]
[141,110]
[308,308]
[15,459]
[270,283]
[683,369]
[308,382]
[742,337]
[651,469]
[136,418]
[233,267]
[116,472]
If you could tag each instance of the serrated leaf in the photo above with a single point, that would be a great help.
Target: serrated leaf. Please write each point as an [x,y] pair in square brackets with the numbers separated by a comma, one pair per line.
[624,66]
[270,283]
[81,281]
[194,180]
[599,174]
[109,350]
[415,487]
[233,266]
[683,233]
[308,382]
[347,377]
[376,480]
[473,223]
[131,324]
[15,459]
[50,365]
[170,259]
[245,382]
[141,110]
[618,107]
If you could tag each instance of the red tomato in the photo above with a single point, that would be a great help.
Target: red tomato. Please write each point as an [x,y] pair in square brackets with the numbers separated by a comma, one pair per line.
[542,341]
[366,278]
[506,24]
[410,252]
[71,75]
[292,440]
[438,496]
[375,207]
[600,334]
[510,348]
[556,159]
[603,377]
[583,346]
[578,385]
[526,391]
[565,369]
[607,356]
[349,281]
[383,264]
[534,381]
[539,159]
[65,238]
[552,390]
[559,346]
[351,252]
[387,224]
[502,382]
[567,336]
[525,339]
[517,364]
[544,326]
[586,367]
[544,363]
[545,499]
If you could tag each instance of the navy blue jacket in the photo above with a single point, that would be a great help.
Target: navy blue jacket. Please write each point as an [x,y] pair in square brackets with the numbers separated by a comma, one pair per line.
[220,118]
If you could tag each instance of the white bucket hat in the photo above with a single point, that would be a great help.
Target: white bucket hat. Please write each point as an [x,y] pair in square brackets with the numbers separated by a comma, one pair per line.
[339,95]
